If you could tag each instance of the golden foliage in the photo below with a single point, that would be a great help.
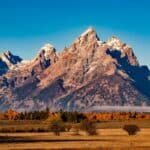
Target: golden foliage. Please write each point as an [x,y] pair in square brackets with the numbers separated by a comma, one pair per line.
[10,114]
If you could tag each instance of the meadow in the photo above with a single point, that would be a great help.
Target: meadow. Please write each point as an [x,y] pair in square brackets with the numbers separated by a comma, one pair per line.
[41,126]
[110,136]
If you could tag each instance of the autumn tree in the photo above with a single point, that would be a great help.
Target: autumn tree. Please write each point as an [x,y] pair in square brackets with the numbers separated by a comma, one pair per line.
[89,127]
[56,127]
[131,129]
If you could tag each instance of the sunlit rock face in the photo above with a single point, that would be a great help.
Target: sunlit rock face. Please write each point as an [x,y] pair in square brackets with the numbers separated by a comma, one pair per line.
[125,51]
[87,74]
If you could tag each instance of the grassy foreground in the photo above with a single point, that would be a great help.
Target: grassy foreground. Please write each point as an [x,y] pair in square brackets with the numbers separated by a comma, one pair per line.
[110,137]
[107,139]
[41,126]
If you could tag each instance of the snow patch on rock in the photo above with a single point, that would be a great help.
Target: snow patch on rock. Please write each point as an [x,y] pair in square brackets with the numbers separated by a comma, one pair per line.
[47,49]
[89,30]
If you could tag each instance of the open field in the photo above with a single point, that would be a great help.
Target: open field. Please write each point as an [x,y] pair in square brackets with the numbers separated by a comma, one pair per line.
[35,125]
[112,124]
[110,136]
[109,139]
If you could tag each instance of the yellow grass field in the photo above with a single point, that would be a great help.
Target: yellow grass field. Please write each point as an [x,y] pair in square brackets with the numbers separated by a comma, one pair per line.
[107,139]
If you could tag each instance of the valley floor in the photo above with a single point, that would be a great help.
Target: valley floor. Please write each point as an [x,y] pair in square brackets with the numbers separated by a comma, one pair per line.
[107,139]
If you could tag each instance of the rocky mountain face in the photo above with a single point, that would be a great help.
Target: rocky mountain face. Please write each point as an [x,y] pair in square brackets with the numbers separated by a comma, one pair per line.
[86,74]
[8,61]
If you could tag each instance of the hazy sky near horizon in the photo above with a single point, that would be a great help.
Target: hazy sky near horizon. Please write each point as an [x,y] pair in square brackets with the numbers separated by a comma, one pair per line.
[26,25]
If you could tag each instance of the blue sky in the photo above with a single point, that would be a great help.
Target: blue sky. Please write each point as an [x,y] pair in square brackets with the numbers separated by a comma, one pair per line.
[26,25]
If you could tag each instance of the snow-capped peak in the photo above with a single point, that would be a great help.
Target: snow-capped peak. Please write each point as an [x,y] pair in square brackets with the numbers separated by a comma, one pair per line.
[115,43]
[46,56]
[47,46]
[9,58]
[88,36]
[7,53]
[88,31]
[47,50]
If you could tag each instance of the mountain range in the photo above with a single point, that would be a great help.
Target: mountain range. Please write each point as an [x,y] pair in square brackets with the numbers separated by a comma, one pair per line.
[87,74]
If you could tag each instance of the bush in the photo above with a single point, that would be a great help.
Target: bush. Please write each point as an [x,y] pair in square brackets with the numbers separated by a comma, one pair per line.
[56,127]
[89,127]
[76,130]
[131,129]
[68,127]
[41,129]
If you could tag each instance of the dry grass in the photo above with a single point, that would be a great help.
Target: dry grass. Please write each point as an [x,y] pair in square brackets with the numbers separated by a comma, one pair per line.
[112,124]
[38,126]
[107,139]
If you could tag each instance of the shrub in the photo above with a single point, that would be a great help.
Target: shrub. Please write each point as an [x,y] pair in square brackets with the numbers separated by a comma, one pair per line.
[68,126]
[41,129]
[76,129]
[56,127]
[89,127]
[131,129]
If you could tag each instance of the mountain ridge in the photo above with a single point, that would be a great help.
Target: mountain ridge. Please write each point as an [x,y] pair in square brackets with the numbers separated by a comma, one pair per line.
[86,74]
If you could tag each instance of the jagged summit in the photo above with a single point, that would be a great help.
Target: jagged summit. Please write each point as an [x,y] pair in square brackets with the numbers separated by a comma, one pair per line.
[116,43]
[120,48]
[45,57]
[90,32]
[47,47]
[87,39]
[47,50]
[10,59]
[7,53]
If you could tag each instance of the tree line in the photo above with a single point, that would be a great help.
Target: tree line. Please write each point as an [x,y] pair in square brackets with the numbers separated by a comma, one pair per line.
[74,117]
